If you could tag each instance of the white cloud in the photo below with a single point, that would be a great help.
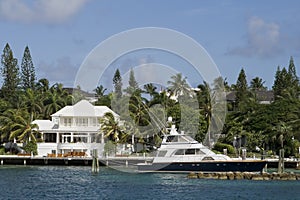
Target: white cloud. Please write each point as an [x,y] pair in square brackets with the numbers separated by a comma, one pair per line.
[263,39]
[50,11]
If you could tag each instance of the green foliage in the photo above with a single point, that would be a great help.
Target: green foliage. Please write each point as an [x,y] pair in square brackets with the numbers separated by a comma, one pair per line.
[27,71]
[132,82]
[257,84]
[241,89]
[31,147]
[220,146]
[178,85]
[262,124]
[117,81]
[2,150]
[10,74]
[109,148]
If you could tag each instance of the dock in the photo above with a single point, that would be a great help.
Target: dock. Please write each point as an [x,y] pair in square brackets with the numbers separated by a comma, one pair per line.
[71,161]
[105,161]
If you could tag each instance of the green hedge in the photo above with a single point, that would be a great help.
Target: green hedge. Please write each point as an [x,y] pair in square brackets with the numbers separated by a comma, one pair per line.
[31,147]
[220,146]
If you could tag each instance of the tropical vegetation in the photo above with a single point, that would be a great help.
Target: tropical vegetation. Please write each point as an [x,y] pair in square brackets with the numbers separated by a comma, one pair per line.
[253,121]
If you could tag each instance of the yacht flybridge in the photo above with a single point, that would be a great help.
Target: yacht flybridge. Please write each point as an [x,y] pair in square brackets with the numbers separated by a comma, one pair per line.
[181,153]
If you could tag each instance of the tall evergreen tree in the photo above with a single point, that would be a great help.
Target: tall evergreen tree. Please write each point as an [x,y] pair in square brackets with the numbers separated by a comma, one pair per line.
[10,73]
[293,79]
[292,70]
[133,86]
[132,82]
[28,77]
[286,82]
[117,81]
[241,88]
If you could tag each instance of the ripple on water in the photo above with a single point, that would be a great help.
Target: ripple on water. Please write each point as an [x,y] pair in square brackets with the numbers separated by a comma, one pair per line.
[51,182]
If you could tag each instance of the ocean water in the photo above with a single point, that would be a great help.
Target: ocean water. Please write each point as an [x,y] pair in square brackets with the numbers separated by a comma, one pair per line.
[60,182]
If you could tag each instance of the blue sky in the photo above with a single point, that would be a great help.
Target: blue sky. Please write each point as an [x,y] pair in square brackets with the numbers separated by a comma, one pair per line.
[255,35]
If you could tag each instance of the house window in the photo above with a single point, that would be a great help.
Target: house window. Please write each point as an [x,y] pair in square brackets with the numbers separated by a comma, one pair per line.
[50,137]
[82,121]
[93,121]
[67,121]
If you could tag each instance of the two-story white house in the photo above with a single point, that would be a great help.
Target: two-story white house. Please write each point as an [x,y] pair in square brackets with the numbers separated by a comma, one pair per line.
[72,129]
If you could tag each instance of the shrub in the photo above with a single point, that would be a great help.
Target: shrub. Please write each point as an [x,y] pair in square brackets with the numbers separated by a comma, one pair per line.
[31,147]
[109,148]
[220,146]
[2,150]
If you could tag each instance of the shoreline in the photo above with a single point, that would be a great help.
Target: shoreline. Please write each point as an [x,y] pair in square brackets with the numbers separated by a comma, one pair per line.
[245,176]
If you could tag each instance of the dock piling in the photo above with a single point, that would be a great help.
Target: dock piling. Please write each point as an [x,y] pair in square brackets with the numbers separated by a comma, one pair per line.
[95,163]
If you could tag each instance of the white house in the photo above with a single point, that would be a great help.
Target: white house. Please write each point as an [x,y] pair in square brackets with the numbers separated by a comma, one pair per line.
[72,129]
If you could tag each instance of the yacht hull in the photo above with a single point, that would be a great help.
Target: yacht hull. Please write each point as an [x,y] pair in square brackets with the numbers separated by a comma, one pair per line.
[209,166]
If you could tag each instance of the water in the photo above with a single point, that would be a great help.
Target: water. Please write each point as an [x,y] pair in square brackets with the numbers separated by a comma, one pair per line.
[50,182]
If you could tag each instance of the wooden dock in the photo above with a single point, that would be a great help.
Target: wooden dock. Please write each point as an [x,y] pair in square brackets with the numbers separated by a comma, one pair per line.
[70,161]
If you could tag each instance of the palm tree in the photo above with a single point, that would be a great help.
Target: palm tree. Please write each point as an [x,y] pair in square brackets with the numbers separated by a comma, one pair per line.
[284,131]
[16,124]
[43,85]
[6,122]
[24,130]
[52,103]
[100,90]
[257,84]
[179,86]
[111,128]
[150,89]
[205,105]
[33,103]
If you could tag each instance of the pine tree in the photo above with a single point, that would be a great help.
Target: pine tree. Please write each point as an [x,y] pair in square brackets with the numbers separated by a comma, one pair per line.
[27,71]
[286,82]
[241,88]
[292,70]
[10,73]
[117,81]
[293,79]
[132,82]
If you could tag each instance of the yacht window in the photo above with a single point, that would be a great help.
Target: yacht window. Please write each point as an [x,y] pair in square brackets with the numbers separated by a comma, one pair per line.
[208,158]
[161,153]
[190,152]
[179,152]
[188,138]
[172,139]
[199,152]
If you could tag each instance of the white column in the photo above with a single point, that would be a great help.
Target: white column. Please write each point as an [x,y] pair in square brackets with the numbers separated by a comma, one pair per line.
[89,138]
[42,136]
[57,137]
[72,137]
[102,138]
[132,139]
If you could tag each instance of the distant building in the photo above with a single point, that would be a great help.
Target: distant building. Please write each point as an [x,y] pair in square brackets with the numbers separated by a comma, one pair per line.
[91,97]
[263,97]
[72,129]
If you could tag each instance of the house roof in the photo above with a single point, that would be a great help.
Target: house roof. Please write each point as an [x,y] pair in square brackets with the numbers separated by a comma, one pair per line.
[262,96]
[83,109]
[43,124]
[74,90]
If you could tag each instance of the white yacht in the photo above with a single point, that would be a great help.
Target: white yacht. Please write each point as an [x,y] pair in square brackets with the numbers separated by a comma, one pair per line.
[181,153]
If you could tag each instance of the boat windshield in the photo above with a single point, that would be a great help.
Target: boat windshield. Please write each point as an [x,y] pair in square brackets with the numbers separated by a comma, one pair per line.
[179,138]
